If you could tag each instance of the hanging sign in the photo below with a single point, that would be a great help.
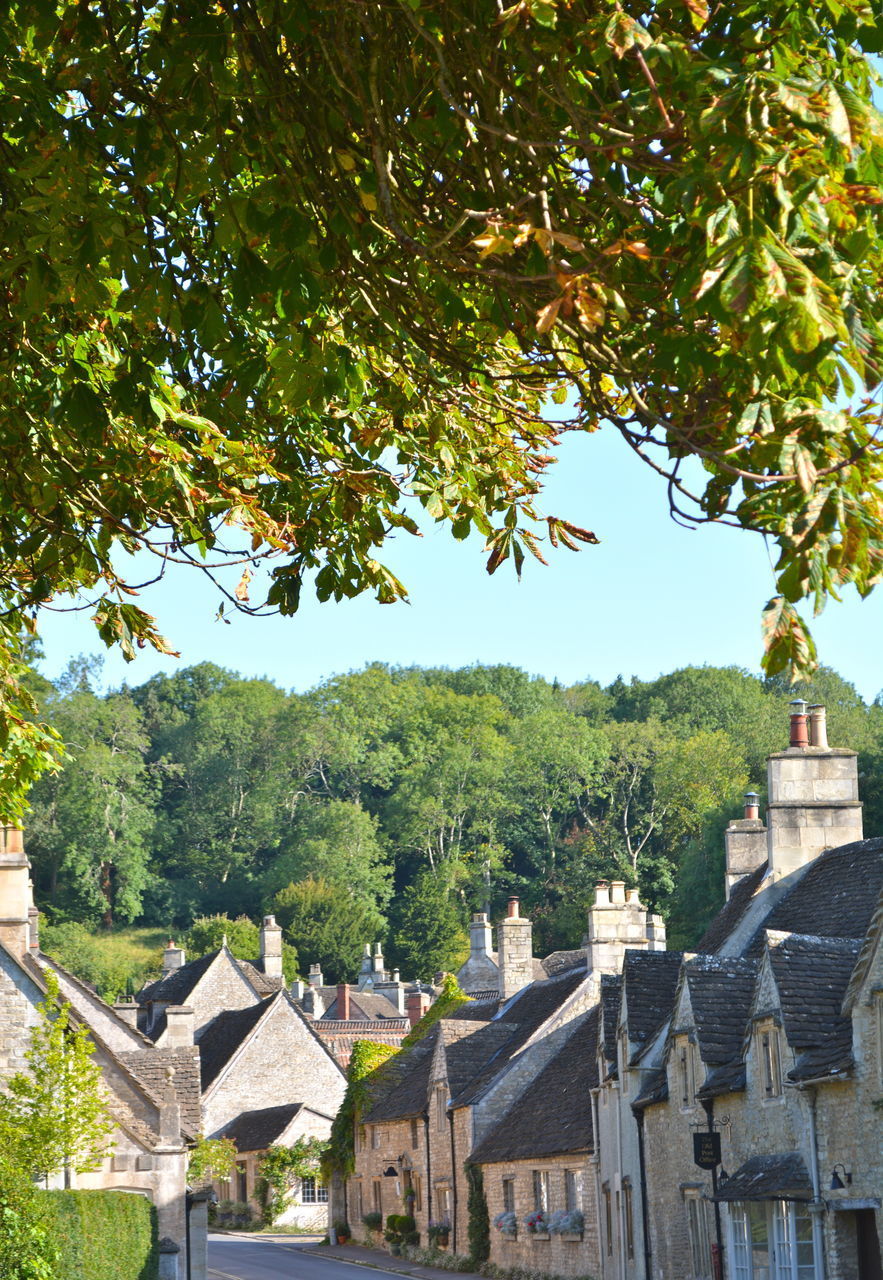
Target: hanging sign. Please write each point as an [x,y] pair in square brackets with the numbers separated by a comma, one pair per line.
[707,1150]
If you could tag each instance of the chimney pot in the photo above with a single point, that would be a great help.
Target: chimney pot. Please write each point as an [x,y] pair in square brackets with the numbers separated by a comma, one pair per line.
[173,957]
[631,896]
[602,895]
[799,732]
[752,804]
[617,891]
[512,909]
[343,1001]
[314,978]
[818,726]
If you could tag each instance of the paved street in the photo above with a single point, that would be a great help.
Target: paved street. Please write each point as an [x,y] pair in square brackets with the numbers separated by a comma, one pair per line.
[238,1258]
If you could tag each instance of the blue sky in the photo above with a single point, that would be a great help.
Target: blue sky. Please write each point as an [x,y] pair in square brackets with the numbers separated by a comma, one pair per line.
[651,597]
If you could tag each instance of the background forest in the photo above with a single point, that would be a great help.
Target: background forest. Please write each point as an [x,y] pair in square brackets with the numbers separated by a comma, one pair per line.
[387,804]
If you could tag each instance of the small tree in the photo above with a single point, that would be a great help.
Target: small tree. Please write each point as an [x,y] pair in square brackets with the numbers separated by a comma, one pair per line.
[211,1158]
[55,1115]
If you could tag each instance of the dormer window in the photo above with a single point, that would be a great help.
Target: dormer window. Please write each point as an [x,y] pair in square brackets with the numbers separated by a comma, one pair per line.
[770,1061]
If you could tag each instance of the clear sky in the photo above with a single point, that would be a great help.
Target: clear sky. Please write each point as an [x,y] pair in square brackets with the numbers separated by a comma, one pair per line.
[650,598]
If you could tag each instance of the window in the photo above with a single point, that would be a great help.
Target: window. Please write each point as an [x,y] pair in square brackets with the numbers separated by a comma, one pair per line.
[686,1082]
[770,1066]
[573,1190]
[508,1195]
[357,1194]
[697,1228]
[312,1191]
[376,1198]
[375,1136]
[624,1062]
[415,1134]
[443,1200]
[628,1218]
[771,1240]
[416,1184]
[241,1181]
[541,1190]
[441,1109]
[608,1219]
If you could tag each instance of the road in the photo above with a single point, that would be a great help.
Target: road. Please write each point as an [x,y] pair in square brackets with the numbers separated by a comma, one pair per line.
[232,1258]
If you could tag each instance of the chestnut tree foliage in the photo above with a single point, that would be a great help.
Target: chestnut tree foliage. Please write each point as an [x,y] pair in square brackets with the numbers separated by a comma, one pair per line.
[270,268]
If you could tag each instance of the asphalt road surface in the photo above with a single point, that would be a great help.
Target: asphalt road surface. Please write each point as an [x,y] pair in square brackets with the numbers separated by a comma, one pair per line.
[231,1258]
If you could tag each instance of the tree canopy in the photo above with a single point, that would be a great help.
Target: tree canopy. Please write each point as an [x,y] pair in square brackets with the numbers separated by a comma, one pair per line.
[259,296]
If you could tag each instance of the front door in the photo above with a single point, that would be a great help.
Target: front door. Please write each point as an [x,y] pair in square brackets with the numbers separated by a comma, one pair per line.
[867,1245]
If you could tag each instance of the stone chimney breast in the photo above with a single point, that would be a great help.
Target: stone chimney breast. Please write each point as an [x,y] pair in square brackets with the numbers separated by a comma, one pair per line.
[180,1021]
[173,957]
[271,948]
[515,948]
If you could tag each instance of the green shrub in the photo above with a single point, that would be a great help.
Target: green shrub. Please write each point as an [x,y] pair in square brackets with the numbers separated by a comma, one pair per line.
[479,1221]
[102,1235]
[373,1221]
[27,1250]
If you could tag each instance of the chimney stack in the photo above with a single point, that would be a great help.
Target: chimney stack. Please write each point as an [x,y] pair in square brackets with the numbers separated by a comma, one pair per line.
[173,957]
[271,948]
[515,948]
[813,795]
[416,1004]
[745,842]
[343,1001]
[128,1011]
[618,920]
[314,977]
[16,900]
[179,1027]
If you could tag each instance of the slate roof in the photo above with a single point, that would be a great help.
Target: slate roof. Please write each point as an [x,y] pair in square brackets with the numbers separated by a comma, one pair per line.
[732,911]
[773,1177]
[177,986]
[400,1086]
[811,976]
[151,1069]
[553,1114]
[527,1011]
[223,1036]
[559,961]
[836,897]
[721,990]
[257,1130]
[654,1089]
[649,982]
[480,1009]
[263,985]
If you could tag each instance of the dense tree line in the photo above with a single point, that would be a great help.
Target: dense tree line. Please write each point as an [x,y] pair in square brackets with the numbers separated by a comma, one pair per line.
[389,803]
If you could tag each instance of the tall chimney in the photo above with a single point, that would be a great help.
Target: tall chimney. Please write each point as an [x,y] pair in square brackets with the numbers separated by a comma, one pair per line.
[813,797]
[173,957]
[366,979]
[515,947]
[271,948]
[15,891]
[416,1004]
[314,977]
[128,1010]
[618,920]
[343,1001]
[479,936]
[745,842]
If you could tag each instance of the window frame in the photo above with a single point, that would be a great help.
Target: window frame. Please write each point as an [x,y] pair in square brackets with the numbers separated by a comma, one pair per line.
[769,1057]
[542,1190]
[508,1191]
[573,1190]
[781,1244]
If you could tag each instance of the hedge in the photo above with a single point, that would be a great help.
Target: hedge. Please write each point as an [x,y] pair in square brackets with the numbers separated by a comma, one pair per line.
[102,1235]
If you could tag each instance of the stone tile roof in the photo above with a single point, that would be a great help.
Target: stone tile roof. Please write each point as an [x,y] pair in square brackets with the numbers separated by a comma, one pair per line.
[836,897]
[553,1114]
[365,1006]
[721,990]
[400,1087]
[653,1090]
[263,985]
[772,1177]
[223,1036]
[873,939]
[811,976]
[732,911]
[559,961]
[152,1068]
[257,1130]
[466,1058]
[649,982]
[177,986]
[480,1008]
[611,999]
[527,1011]
[730,1078]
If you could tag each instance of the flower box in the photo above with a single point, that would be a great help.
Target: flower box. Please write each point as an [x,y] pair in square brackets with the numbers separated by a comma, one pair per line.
[571,1235]
[540,1235]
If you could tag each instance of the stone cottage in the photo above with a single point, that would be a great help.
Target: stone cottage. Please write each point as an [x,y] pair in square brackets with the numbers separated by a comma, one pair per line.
[153,1092]
[264,1073]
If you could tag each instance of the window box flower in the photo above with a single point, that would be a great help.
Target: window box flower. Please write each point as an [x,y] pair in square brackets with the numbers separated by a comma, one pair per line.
[537,1224]
[567,1223]
[507,1224]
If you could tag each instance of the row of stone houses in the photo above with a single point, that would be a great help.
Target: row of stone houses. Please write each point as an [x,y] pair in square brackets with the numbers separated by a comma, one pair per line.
[153,1092]
[586,1088]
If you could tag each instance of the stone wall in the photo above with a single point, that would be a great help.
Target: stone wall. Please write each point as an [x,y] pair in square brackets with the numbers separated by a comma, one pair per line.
[221,987]
[554,1256]
[282,1062]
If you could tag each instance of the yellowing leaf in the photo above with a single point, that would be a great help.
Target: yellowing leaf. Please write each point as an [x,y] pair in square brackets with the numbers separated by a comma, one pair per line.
[548,315]
[241,592]
[590,311]
[345,160]
[368,200]
[637,247]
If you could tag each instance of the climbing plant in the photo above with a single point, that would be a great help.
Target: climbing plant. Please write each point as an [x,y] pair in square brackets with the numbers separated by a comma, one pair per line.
[280,1167]
[479,1229]
[365,1060]
[449,998]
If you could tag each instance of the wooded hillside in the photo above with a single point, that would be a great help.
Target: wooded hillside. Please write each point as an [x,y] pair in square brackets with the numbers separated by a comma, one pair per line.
[389,803]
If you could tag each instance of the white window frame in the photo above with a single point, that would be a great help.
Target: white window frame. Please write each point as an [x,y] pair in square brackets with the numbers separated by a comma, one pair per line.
[698,1231]
[779,1221]
[312,1190]
[769,1058]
